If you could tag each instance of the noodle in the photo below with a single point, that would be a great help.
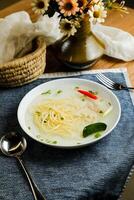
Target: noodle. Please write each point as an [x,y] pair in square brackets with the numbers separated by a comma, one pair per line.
[65,117]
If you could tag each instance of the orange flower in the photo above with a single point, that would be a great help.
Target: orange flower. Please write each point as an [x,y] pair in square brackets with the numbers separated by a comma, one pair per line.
[68,7]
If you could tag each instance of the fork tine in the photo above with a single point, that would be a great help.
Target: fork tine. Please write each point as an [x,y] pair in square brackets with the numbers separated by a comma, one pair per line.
[105,83]
[103,76]
[109,86]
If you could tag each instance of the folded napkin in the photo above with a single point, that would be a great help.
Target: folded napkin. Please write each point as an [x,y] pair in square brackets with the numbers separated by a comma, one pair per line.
[95,172]
[118,44]
[17,31]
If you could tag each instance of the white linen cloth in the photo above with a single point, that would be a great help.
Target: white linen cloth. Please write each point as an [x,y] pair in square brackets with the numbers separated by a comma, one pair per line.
[17,31]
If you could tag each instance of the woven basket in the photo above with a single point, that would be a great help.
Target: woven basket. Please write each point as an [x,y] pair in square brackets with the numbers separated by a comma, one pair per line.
[23,70]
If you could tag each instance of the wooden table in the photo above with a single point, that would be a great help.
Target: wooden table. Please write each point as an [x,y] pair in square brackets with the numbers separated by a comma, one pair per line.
[125,22]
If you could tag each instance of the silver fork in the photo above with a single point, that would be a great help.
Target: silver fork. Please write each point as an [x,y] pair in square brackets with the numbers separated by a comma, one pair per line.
[111,84]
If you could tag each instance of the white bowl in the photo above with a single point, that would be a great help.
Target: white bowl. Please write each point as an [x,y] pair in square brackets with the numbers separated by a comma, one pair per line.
[111,120]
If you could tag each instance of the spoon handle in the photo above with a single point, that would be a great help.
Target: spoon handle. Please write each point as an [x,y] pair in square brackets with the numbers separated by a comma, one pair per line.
[36,193]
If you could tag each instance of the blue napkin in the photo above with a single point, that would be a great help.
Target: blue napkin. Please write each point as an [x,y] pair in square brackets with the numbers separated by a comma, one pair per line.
[95,172]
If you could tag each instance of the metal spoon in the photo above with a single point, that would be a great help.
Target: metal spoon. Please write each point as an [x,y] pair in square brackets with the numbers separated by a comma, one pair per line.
[14,145]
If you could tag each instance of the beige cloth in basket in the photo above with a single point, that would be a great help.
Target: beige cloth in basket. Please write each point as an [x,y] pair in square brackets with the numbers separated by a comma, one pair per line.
[17,31]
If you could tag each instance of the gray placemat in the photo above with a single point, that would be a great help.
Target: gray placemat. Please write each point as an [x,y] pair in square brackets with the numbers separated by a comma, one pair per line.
[96,172]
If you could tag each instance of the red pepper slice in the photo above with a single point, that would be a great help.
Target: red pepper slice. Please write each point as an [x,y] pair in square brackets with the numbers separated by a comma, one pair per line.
[88,94]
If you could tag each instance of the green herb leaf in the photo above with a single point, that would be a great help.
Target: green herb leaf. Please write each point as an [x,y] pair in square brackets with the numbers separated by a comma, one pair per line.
[93,92]
[109,104]
[38,113]
[97,135]
[100,111]
[54,142]
[47,92]
[48,141]
[93,128]
[59,91]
